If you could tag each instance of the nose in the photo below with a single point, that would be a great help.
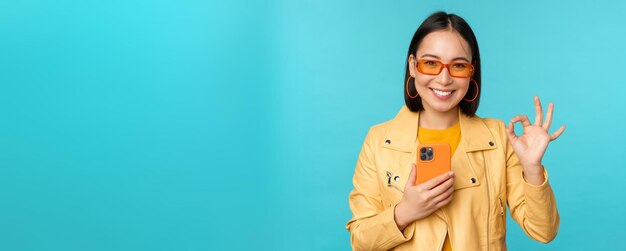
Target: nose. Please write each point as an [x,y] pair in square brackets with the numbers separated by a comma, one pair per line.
[444,76]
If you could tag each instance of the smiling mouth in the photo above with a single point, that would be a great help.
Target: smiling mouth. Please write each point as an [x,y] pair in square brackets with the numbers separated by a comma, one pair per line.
[441,93]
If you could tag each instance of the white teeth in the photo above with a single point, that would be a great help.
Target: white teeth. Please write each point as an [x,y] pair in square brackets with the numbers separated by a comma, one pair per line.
[441,93]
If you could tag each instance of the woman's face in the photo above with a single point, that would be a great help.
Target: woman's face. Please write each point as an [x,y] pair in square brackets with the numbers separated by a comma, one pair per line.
[441,93]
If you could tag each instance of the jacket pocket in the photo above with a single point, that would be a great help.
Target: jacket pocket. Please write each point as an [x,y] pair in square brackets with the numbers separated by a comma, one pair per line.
[500,219]
[394,173]
[392,188]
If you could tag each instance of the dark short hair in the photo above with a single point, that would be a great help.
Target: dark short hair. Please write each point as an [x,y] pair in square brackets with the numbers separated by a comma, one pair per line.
[436,22]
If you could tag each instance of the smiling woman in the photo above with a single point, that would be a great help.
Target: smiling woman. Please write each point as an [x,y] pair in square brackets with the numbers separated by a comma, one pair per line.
[464,208]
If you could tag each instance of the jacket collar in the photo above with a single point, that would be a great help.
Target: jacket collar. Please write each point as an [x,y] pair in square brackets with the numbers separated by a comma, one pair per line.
[402,136]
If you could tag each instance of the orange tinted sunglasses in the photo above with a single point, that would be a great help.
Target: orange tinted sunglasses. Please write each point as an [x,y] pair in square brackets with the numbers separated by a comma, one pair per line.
[434,67]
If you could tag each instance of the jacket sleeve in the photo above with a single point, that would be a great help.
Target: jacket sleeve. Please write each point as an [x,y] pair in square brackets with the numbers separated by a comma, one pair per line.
[532,207]
[372,226]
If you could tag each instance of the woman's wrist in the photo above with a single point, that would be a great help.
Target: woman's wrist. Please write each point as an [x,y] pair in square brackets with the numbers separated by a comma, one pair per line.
[399,215]
[533,174]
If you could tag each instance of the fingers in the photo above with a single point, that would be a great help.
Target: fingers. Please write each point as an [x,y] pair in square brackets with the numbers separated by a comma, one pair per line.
[441,188]
[440,195]
[556,134]
[510,131]
[412,176]
[442,191]
[432,183]
[521,118]
[538,112]
[546,125]
[444,202]
[525,121]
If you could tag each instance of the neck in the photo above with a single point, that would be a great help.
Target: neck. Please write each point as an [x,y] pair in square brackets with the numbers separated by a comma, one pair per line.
[439,120]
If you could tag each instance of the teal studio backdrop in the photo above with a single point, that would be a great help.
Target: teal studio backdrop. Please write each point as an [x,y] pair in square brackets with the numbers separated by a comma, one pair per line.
[236,125]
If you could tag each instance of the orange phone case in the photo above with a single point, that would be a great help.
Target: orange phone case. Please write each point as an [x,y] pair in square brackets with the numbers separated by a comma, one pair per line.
[432,160]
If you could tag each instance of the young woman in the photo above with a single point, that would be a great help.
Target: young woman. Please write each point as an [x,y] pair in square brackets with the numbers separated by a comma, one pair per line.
[463,209]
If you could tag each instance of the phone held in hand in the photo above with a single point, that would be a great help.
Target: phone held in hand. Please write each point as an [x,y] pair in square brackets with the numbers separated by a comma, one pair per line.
[432,160]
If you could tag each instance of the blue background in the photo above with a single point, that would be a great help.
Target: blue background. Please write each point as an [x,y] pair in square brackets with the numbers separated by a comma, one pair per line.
[194,125]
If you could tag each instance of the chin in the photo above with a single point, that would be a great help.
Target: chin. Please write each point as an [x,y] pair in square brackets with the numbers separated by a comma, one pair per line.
[443,107]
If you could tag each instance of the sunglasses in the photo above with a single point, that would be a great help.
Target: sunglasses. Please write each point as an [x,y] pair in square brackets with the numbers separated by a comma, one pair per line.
[434,67]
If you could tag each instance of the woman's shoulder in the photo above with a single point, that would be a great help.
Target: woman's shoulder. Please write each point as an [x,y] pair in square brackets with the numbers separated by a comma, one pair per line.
[491,122]
[475,123]
[496,126]
[384,126]
[379,130]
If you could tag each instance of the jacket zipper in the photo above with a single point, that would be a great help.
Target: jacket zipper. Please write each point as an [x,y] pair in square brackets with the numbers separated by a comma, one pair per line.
[501,207]
[389,182]
[488,203]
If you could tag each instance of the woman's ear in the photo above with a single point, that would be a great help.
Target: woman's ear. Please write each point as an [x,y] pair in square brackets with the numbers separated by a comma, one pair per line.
[412,65]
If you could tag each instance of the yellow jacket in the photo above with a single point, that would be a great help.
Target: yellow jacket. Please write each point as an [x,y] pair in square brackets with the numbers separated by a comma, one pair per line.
[488,174]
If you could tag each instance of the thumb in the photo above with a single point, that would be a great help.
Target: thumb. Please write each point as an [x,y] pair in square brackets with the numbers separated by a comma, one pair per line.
[411,180]
[510,131]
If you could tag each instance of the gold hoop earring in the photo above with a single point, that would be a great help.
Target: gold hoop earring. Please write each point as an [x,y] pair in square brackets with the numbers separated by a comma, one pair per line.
[475,96]
[407,89]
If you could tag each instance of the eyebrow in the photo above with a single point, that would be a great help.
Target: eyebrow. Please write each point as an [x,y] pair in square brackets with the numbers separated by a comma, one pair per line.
[454,59]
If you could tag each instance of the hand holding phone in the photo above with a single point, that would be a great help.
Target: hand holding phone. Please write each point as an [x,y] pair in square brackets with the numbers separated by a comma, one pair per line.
[421,200]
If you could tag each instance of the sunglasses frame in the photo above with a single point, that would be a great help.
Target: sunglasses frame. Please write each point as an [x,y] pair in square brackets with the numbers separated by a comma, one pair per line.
[420,61]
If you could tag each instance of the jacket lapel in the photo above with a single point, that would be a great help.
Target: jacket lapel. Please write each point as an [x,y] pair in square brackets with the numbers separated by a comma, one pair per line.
[468,162]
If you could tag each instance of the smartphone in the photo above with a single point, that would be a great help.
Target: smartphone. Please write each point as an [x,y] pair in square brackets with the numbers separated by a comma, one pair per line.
[432,160]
